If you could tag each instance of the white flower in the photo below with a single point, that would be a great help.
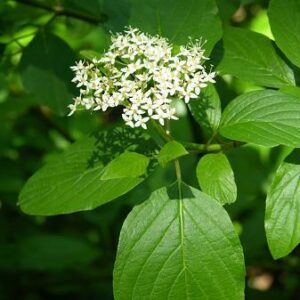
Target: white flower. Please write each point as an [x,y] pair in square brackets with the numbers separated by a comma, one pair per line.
[72,107]
[148,106]
[140,73]
[79,66]
[128,120]
[142,122]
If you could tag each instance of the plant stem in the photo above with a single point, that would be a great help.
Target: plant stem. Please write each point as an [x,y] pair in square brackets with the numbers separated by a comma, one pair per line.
[178,176]
[195,147]
[178,170]
[60,10]
[211,138]
[204,148]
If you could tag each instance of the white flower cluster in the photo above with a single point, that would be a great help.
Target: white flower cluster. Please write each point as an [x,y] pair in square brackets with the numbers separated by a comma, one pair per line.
[144,74]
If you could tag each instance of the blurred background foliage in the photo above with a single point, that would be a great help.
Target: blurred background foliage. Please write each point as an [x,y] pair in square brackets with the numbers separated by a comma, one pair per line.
[71,256]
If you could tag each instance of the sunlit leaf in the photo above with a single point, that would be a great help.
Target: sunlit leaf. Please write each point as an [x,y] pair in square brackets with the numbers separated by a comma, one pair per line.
[170,151]
[119,168]
[282,211]
[79,180]
[179,244]
[178,20]
[251,56]
[216,178]
[267,118]
[284,20]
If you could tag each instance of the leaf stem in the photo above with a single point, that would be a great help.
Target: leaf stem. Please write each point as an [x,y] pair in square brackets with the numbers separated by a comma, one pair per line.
[179,178]
[178,171]
[204,148]
[211,138]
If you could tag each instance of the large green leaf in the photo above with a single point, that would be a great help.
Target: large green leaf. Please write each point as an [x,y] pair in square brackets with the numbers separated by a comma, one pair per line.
[284,20]
[45,71]
[85,176]
[282,211]
[207,109]
[251,56]
[292,90]
[266,118]
[178,19]
[179,244]
[170,151]
[216,178]
[118,12]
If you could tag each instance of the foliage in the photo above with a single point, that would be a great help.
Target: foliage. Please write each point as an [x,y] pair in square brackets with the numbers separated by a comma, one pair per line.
[216,178]
[179,226]
[237,143]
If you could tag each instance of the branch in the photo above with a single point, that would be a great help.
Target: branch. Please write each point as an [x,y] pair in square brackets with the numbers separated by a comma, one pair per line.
[195,147]
[204,148]
[60,10]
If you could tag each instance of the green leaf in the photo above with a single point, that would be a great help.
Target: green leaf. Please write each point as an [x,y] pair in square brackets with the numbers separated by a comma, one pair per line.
[178,20]
[284,20]
[128,164]
[118,12]
[216,178]
[207,109]
[170,151]
[179,247]
[227,8]
[266,118]
[282,211]
[73,181]
[291,90]
[251,56]
[45,71]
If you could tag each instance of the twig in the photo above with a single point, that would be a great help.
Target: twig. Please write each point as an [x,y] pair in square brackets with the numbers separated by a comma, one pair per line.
[195,147]
[60,10]
[204,148]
